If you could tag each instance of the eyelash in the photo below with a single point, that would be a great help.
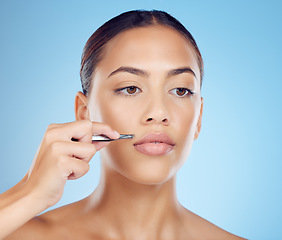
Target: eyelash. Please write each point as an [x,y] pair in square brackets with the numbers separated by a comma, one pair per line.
[188,92]
[120,91]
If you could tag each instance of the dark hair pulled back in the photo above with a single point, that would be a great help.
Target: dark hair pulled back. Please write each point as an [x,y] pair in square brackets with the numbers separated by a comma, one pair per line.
[93,50]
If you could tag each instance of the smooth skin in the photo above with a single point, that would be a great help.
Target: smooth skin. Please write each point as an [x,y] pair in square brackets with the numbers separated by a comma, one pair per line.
[140,86]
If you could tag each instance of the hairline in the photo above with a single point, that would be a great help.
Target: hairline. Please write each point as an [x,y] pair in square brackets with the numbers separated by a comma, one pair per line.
[154,22]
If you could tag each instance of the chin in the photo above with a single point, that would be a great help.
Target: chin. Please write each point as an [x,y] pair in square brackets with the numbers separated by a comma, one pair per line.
[149,175]
[140,168]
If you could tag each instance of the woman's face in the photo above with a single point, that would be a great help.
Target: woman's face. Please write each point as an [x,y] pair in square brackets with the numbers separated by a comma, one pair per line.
[148,84]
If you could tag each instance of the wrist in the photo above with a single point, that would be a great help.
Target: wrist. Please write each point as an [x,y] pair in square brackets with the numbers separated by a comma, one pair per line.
[17,209]
[33,200]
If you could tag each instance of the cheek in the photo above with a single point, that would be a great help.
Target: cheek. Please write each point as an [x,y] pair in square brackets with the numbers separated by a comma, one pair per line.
[108,109]
[184,118]
[184,122]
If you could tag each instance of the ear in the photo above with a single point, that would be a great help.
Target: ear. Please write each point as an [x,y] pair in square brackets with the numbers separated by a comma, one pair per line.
[199,123]
[80,107]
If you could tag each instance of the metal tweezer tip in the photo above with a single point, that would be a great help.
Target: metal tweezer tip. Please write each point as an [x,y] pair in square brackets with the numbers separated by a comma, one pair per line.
[103,138]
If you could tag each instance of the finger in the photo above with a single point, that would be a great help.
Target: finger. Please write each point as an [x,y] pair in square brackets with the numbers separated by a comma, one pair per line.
[100,145]
[85,151]
[97,129]
[82,151]
[76,168]
[101,128]
[70,130]
[79,150]
[81,130]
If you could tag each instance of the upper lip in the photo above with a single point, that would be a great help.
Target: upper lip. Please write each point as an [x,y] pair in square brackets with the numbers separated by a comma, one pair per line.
[156,137]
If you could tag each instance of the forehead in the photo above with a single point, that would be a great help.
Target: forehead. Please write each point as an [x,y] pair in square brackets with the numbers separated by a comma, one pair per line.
[149,48]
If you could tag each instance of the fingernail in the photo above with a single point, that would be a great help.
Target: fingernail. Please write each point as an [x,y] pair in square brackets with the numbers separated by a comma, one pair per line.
[116,133]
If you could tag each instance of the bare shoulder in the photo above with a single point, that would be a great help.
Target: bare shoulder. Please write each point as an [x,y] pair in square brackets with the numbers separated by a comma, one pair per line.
[204,229]
[46,225]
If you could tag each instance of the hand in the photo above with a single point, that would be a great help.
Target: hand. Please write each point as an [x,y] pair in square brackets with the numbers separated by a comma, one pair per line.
[59,159]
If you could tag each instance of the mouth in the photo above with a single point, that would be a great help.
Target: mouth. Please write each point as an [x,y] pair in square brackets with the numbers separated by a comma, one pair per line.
[155,144]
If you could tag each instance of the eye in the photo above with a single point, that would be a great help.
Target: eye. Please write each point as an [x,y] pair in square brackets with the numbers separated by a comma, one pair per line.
[131,90]
[181,92]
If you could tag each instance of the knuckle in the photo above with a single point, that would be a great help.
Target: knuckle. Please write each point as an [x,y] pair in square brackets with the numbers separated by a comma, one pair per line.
[50,134]
[52,126]
[90,149]
[61,162]
[87,124]
[93,149]
[85,167]
[55,147]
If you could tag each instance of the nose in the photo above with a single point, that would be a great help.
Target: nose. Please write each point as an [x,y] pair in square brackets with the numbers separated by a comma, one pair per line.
[156,112]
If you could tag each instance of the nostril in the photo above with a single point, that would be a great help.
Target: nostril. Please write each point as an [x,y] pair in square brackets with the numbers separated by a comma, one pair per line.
[154,120]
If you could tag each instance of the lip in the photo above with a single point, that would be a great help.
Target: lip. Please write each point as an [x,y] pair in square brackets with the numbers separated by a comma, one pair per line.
[155,144]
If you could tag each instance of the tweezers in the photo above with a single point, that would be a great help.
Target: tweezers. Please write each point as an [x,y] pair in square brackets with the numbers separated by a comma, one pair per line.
[103,138]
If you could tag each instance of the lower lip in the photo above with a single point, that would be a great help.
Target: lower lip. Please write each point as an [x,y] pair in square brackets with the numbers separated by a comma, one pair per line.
[154,149]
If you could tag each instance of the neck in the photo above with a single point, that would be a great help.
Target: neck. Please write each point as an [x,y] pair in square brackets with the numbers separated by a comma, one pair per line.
[139,207]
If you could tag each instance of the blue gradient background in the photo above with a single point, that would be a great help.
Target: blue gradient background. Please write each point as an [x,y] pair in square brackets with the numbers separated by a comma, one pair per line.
[233,176]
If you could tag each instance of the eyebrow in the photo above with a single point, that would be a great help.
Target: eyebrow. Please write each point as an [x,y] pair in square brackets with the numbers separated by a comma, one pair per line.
[143,73]
[131,70]
[178,71]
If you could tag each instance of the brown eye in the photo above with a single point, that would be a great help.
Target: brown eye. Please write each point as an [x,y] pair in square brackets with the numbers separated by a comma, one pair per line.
[131,90]
[181,91]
